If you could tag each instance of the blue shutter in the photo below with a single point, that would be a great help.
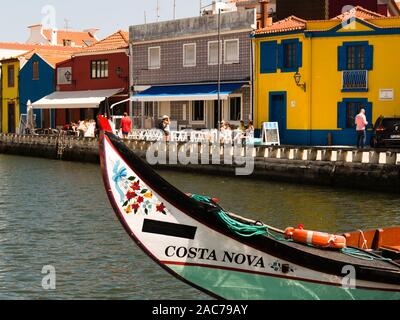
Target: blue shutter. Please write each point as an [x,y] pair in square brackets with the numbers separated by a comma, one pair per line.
[299,55]
[369,57]
[342,115]
[342,58]
[368,114]
[268,57]
[280,56]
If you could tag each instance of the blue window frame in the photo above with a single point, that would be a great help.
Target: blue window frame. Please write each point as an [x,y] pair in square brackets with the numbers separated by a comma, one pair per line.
[355,56]
[290,55]
[268,56]
[348,110]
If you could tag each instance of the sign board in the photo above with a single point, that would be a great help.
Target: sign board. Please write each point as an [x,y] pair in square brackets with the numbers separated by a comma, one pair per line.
[64,75]
[270,134]
[386,94]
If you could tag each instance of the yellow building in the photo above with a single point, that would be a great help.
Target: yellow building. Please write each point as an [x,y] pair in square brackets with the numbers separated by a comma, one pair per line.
[313,77]
[10,100]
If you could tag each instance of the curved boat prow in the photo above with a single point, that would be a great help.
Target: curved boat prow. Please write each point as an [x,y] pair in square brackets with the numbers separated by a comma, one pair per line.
[189,239]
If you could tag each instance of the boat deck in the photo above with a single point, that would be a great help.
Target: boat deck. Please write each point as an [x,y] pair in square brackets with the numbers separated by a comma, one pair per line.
[347,259]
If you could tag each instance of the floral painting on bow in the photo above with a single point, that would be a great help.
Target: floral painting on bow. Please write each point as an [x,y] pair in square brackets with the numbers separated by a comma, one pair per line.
[134,196]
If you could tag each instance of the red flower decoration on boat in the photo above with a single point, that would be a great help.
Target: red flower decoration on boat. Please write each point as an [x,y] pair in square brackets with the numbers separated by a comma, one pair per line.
[135,186]
[140,200]
[131,195]
[135,207]
[161,208]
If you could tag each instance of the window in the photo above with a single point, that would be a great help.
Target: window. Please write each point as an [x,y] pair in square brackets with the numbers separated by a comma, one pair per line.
[149,109]
[35,70]
[235,109]
[213,53]
[99,69]
[198,111]
[268,56]
[232,51]
[189,55]
[154,58]
[348,110]
[352,109]
[290,55]
[67,43]
[11,76]
[355,56]
[289,51]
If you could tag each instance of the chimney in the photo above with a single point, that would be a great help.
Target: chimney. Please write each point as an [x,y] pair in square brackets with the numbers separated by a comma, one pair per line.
[264,13]
[92,32]
[36,35]
[54,38]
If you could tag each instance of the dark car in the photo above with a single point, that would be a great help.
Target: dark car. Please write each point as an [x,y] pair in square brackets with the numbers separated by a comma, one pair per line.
[386,132]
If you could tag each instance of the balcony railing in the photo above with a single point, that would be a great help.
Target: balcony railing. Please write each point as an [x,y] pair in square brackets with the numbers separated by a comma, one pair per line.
[354,80]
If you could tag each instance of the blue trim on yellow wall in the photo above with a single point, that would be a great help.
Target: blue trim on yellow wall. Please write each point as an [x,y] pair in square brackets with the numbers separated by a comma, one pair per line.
[355,90]
[298,58]
[284,111]
[333,31]
[342,111]
[268,57]
[347,137]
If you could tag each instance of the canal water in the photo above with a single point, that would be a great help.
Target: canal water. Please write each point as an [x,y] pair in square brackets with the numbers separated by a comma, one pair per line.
[57,214]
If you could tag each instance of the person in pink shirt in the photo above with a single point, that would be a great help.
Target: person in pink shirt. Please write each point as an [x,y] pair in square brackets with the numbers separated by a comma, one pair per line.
[361,128]
[126,126]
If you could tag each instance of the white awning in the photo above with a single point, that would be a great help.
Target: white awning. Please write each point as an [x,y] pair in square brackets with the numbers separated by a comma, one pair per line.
[74,99]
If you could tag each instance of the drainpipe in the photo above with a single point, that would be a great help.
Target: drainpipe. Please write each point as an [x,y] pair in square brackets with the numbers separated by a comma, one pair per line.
[130,56]
[310,93]
[252,69]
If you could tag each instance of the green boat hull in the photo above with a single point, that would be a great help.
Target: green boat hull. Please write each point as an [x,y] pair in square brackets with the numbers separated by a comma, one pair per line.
[234,285]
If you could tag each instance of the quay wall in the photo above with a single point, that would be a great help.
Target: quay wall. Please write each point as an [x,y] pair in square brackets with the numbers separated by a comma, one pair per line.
[377,170]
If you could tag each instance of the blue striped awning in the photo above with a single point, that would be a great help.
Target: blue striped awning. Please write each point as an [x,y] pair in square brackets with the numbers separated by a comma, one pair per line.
[187,92]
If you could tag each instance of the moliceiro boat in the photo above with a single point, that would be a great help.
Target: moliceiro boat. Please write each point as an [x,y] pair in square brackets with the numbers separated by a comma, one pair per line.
[231,257]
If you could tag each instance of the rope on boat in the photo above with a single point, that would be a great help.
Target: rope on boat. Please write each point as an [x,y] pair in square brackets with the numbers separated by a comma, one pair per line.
[363,255]
[248,231]
[239,228]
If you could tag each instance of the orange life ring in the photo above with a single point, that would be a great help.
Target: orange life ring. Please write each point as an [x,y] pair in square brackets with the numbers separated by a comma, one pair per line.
[318,239]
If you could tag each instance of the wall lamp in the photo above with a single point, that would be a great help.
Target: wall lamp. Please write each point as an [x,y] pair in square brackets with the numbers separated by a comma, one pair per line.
[297,79]
[119,71]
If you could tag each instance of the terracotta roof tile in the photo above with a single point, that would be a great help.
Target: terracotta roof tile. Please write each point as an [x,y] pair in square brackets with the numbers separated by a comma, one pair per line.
[289,24]
[23,46]
[358,12]
[118,40]
[79,38]
[52,57]
[294,23]
[29,50]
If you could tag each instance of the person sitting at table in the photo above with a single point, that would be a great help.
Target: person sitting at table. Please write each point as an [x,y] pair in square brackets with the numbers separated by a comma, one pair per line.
[91,128]
[242,126]
[82,128]
[165,127]
[250,127]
